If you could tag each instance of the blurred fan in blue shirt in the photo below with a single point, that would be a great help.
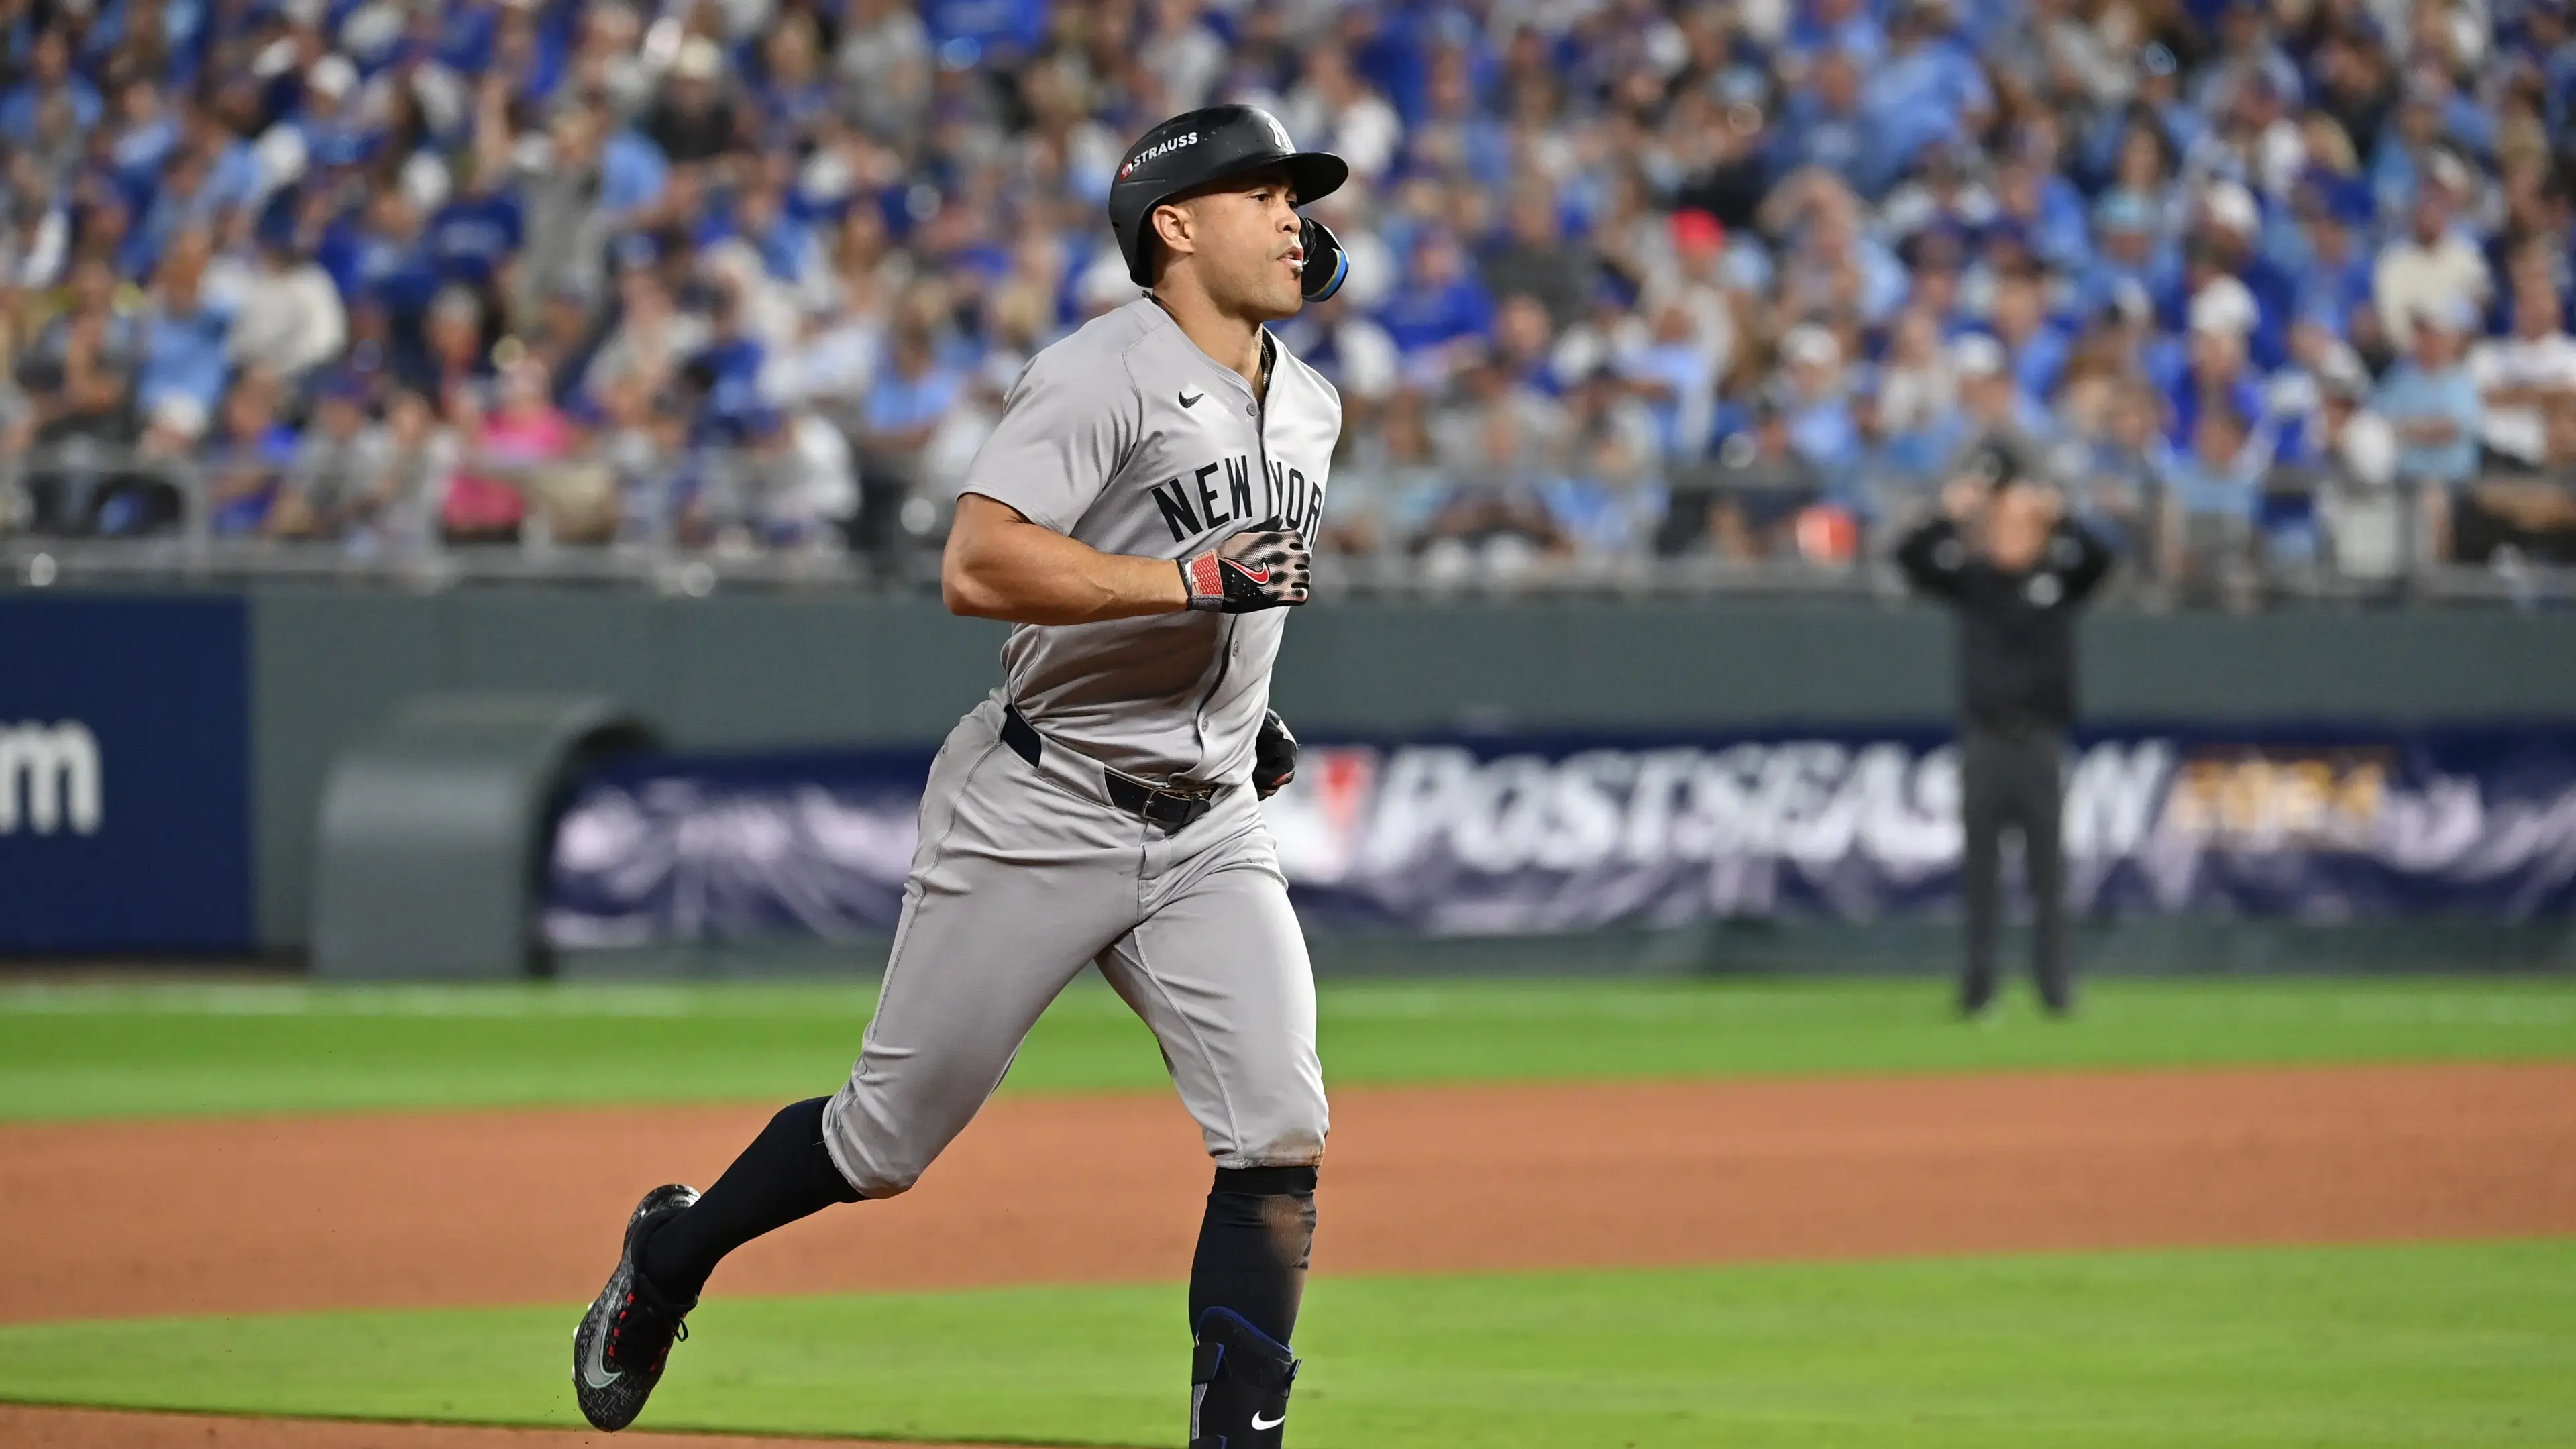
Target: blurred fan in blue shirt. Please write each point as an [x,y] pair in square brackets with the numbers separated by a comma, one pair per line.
[1440,301]
[2432,402]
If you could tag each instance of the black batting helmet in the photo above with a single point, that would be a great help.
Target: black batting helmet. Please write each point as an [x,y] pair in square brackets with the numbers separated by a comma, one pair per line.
[1195,148]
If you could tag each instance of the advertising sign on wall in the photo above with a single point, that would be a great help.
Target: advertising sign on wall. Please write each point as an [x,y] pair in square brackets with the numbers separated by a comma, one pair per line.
[1532,836]
[124,775]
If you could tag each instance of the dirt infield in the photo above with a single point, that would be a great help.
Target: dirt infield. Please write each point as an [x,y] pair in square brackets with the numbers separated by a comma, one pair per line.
[506,1207]
[511,1207]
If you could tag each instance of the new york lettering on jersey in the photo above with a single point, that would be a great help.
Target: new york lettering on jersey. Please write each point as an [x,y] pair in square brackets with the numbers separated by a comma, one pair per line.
[1200,505]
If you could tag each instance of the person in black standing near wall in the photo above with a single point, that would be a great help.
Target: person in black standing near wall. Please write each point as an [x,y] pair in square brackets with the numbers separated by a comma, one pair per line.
[2014,568]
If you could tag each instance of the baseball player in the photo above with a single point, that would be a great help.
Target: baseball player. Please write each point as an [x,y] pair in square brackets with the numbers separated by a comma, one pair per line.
[1140,514]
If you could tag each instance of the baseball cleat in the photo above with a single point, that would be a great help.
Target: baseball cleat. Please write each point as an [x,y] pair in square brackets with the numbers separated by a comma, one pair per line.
[626,1337]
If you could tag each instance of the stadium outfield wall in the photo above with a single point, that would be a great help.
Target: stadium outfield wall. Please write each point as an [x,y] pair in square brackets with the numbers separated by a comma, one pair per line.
[231,705]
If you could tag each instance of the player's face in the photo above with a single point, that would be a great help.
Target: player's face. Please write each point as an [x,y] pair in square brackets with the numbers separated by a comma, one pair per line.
[1247,242]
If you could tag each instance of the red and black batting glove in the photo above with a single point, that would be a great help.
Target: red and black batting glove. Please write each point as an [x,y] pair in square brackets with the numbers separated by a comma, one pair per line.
[1263,567]
[1274,756]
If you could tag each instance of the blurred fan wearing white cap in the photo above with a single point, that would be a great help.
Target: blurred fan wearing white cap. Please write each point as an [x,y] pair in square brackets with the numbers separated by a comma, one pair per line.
[698,60]
[1977,355]
[2224,304]
[1810,346]
[332,76]
[694,119]
[2231,208]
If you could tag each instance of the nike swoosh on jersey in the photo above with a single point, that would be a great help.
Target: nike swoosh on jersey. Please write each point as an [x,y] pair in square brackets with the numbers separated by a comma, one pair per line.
[1259,1422]
[1188,401]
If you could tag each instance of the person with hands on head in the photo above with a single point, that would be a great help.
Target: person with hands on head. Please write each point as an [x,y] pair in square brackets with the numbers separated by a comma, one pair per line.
[2014,569]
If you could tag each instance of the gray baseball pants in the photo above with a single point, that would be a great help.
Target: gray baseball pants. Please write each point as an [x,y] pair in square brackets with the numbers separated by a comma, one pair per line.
[1023,875]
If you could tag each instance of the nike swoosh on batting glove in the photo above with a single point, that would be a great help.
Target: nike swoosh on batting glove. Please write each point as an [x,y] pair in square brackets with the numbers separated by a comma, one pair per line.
[1263,567]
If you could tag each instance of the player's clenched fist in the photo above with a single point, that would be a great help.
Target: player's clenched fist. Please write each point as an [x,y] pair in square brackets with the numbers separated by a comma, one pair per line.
[1259,568]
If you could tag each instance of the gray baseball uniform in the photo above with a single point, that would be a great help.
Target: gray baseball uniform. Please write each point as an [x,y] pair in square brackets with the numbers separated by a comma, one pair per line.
[1130,438]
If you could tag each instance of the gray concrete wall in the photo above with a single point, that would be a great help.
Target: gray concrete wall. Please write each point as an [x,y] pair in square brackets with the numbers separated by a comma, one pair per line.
[774,670]
[1389,665]
[327,666]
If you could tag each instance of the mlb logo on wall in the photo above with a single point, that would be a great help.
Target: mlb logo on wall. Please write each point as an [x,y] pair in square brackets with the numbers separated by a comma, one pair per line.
[124,774]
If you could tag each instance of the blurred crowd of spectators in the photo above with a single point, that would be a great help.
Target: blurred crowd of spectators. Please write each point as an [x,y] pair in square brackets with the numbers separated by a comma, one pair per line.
[2285,280]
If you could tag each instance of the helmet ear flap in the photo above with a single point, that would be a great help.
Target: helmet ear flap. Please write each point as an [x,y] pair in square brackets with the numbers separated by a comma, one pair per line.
[1327,265]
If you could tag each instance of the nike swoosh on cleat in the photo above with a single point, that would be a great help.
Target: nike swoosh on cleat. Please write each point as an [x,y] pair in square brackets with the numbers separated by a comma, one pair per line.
[595,1371]
[1259,1422]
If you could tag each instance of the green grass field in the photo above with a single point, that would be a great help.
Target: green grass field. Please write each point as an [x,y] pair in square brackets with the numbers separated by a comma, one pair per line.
[2433,1344]
[99,1050]
[2443,1345]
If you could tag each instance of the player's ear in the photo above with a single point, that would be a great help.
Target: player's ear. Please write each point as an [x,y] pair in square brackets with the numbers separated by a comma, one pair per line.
[1173,223]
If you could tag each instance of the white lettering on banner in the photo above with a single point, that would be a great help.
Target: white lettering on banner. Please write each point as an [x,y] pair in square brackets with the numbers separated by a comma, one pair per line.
[1661,774]
[1797,802]
[59,771]
[1495,823]
[2436,826]
[2114,796]
[1809,803]
[1585,818]
[1415,803]
[1407,836]
[1717,805]
[1891,824]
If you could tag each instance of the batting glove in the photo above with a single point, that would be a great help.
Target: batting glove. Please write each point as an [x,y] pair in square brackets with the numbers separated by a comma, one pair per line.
[1263,567]
[1274,756]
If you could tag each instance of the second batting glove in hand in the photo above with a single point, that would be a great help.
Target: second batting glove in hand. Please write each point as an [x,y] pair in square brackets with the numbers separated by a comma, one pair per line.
[1263,567]
[1274,756]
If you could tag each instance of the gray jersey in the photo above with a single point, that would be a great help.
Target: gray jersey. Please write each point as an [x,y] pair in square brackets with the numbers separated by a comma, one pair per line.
[1128,437]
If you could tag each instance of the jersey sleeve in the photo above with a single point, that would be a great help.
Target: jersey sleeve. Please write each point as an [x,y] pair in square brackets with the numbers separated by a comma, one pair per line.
[1065,430]
[1934,559]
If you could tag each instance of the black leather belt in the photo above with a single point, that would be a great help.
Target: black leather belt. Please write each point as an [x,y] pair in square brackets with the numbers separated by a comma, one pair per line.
[1169,809]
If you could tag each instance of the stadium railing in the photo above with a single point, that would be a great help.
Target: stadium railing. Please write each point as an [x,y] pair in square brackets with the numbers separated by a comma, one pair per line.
[721,525]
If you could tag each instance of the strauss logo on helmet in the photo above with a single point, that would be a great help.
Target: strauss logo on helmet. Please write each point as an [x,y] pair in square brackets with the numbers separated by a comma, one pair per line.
[1160,148]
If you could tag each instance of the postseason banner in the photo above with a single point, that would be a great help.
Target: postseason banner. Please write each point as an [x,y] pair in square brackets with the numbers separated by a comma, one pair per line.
[1530,835]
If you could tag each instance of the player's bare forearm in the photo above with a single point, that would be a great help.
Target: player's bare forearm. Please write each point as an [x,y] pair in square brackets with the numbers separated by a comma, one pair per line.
[998,565]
